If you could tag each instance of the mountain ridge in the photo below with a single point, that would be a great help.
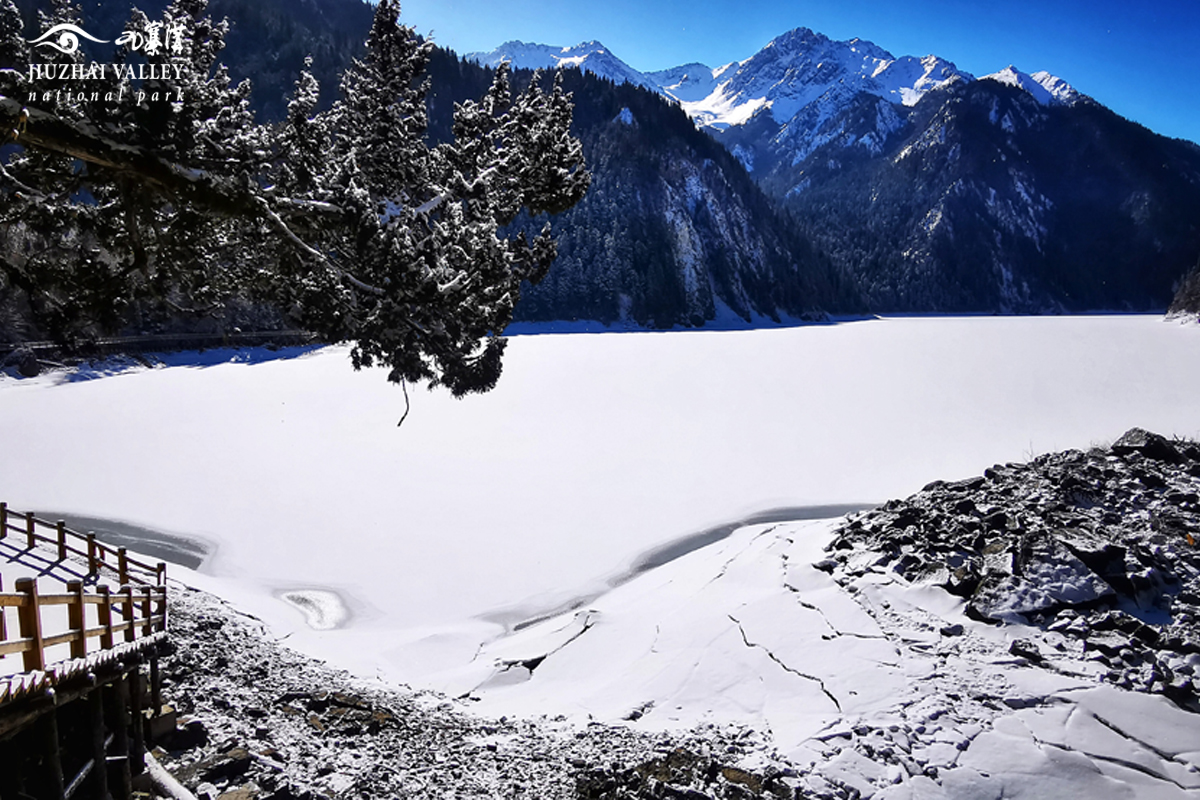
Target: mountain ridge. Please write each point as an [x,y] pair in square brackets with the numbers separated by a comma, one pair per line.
[935,190]
[792,70]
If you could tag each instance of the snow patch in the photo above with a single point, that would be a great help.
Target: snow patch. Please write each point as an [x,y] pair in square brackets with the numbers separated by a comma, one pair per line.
[323,609]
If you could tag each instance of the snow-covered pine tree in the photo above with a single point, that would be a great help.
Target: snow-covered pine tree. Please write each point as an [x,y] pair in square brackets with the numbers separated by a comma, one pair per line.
[347,220]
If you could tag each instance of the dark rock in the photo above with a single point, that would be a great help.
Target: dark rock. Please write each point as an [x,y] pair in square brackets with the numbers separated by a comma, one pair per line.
[192,734]
[1109,643]
[952,630]
[996,521]
[909,515]
[24,362]
[1025,648]
[1105,559]
[1148,587]
[288,792]
[965,506]
[226,766]
[1147,444]
[963,581]
[1013,703]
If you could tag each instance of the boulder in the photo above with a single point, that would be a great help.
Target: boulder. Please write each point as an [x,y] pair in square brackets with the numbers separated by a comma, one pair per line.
[1046,577]
[1147,444]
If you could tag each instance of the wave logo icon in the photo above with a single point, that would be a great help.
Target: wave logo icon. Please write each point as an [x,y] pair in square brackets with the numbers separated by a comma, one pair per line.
[67,38]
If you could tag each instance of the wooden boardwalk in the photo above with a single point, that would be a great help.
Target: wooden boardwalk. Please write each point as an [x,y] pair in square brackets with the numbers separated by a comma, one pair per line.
[78,624]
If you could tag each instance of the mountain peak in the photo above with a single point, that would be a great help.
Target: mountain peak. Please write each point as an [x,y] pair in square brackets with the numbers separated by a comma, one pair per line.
[591,56]
[1047,89]
[797,36]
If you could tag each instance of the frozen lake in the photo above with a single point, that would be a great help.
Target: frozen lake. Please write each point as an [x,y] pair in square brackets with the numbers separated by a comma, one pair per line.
[595,453]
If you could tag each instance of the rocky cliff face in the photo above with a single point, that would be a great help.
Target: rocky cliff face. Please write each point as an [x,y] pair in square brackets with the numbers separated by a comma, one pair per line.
[1187,298]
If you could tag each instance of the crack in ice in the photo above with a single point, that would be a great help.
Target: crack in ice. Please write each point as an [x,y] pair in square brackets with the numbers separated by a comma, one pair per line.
[1131,765]
[784,666]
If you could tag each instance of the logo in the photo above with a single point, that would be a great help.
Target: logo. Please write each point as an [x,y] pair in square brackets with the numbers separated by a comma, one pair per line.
[154,38]
[68,38]
[75,81]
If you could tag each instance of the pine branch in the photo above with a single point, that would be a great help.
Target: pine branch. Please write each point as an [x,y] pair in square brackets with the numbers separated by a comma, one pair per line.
[311,252]
[215,194]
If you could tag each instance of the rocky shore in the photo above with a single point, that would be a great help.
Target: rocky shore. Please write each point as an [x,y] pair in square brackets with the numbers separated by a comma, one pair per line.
[261,721]
[1093,556]
[1102,546]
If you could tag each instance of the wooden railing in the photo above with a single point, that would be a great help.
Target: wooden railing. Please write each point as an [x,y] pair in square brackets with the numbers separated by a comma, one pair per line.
[96,620]
[132,613]
[99,556]
[85,710]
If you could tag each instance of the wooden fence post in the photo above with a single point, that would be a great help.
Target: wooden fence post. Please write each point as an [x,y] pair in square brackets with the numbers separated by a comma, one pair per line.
[147,611]
[93,567]
[3,520]
[3,615]
[77,619]
[29,534]
[122,566]
[62,540]
[105,609]
[161,573]
[30,616]
[99,751]
[52,754]
[155,686]
[137,753]
[118,710]
[127,613]
[162,607]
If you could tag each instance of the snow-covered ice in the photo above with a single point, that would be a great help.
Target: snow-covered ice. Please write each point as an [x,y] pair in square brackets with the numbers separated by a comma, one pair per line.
[591,451]
[488,546]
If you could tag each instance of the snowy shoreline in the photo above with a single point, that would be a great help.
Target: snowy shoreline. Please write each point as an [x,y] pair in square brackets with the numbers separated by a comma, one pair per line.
[380,549]
[879,682]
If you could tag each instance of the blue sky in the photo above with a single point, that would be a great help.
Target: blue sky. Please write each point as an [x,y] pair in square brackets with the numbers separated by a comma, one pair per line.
[1139,58]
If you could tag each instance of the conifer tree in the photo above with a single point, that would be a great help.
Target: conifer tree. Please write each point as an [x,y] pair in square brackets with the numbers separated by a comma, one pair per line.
[168,190]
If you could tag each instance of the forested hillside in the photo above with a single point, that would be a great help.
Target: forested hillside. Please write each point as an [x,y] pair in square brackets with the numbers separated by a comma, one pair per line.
[672,227]
[969,196]
[983,199]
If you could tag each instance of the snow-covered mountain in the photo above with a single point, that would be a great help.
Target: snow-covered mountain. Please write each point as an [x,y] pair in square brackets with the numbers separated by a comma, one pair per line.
[799,71]
[792,71]
[790,90]
[592,57]
[929,189]
[691,83]
[1047,89]
[802,67]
